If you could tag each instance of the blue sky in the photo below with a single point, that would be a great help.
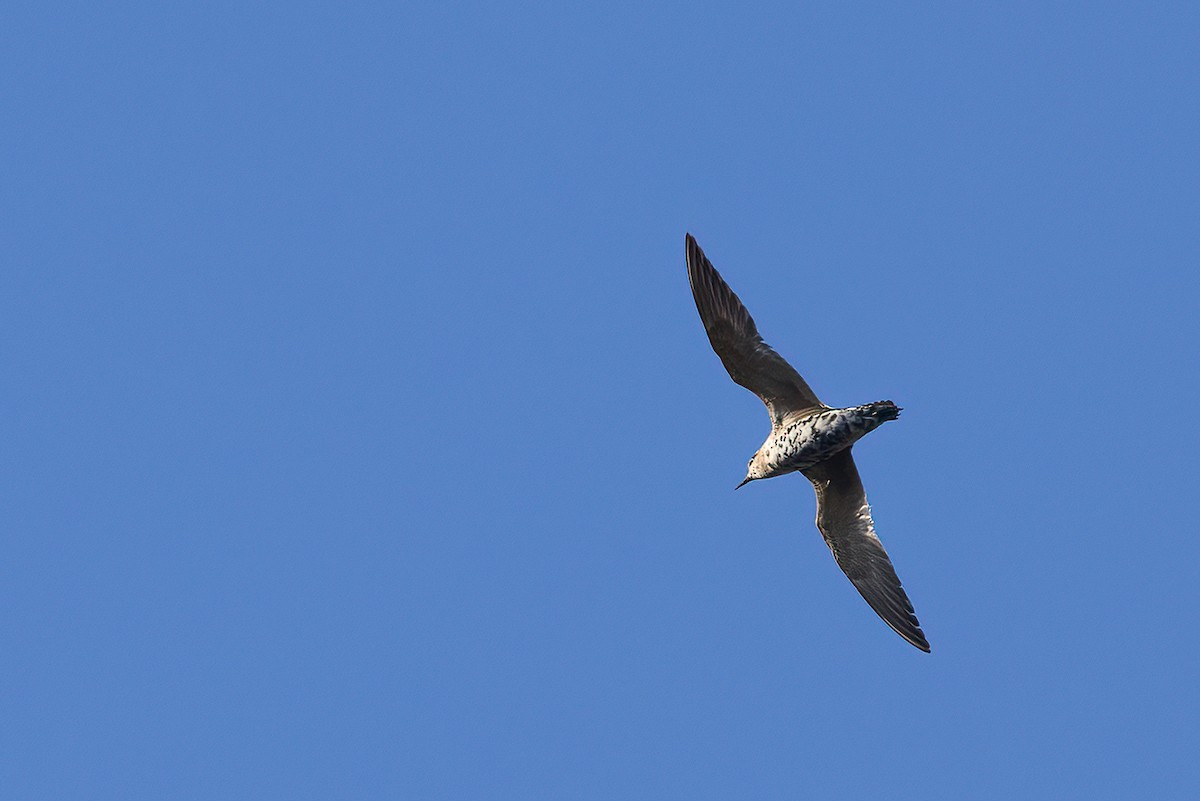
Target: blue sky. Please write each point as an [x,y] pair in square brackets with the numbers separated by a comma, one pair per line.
[361,439]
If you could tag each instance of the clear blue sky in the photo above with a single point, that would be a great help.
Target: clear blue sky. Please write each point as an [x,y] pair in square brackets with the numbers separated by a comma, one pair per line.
[361,439]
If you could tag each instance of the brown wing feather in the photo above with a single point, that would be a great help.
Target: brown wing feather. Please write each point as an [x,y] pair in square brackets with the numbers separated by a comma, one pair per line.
[844,519]
[731,330]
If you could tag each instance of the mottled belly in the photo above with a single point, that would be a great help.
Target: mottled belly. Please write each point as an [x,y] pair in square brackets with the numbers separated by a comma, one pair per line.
[813,440]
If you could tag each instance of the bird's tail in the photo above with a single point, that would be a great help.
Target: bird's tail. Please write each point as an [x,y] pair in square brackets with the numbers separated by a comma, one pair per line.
[884,410]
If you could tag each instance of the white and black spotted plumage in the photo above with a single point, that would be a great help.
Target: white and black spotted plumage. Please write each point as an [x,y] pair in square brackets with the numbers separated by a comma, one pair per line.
[809,437]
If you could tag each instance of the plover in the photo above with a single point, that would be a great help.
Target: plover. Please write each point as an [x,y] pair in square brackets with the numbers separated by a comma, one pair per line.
[809,437]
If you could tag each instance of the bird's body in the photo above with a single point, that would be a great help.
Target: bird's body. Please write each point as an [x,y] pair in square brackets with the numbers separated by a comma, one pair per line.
[809,437]
[797,445]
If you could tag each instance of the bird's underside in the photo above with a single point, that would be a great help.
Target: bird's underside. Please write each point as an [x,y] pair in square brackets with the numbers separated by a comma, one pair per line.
[843,516]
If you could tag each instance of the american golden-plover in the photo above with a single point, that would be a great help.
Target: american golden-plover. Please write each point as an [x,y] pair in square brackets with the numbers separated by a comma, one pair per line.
[809,437]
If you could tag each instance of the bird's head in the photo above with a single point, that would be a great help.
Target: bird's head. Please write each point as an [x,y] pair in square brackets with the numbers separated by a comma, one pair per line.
[756,468]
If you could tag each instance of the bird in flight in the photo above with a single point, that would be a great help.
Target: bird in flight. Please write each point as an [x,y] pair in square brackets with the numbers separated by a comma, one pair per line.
[809,437]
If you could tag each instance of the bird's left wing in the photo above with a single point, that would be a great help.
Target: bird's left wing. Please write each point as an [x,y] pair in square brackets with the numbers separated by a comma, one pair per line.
[733,335]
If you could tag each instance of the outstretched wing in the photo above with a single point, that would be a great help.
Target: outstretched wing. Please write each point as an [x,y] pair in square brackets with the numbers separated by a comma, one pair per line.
[844,519]
[731,330]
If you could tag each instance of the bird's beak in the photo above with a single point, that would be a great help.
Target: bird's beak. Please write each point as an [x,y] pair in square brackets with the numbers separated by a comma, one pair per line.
[745,481]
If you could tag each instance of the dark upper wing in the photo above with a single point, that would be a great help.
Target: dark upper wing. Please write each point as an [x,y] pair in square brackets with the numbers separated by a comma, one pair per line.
[750,361]
[844,519]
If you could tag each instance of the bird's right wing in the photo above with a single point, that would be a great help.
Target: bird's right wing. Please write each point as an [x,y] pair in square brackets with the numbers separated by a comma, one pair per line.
[844,519]
[735,338]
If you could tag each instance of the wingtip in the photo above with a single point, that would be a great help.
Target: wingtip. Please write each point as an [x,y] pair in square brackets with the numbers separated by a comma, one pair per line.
[914,638]
[694,257]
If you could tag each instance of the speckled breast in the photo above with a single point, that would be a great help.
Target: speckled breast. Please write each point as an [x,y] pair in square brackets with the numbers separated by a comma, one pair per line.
[813,439]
